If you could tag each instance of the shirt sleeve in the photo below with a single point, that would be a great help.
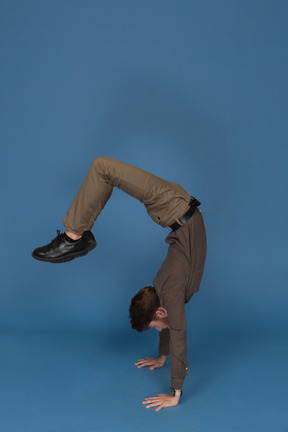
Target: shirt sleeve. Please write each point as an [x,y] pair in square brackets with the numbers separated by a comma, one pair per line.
[173,301]
[164,336]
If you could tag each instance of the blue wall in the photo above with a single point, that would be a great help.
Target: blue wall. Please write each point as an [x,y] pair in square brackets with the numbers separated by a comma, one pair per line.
[194,91]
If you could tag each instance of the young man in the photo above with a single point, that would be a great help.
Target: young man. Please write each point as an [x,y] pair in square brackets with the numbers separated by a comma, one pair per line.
[163,305]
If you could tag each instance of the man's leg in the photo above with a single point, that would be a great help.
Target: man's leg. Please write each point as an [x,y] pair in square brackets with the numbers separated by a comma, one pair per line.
[90,200]
[87,205]
[164,201]
[103,175]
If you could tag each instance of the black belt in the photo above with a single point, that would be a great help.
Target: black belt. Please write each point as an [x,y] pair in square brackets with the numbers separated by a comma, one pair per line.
[194,203]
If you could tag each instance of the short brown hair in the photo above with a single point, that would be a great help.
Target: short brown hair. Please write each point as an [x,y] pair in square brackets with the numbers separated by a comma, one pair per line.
[143,307]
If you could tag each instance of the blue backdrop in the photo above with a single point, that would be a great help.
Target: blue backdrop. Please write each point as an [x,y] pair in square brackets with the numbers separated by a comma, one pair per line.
[195,92]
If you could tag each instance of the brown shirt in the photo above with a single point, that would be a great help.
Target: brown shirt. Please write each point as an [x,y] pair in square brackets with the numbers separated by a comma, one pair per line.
[177,280]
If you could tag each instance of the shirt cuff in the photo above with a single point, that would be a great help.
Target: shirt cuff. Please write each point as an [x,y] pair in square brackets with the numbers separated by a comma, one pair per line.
[177,383]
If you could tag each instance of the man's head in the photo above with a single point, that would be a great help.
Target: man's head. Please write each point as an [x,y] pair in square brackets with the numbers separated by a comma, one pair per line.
[145,311]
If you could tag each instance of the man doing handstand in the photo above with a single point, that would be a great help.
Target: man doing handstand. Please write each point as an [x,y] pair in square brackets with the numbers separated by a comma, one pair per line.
[161,306]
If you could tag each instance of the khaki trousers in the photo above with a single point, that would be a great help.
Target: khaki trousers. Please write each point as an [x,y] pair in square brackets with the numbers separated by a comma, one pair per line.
[165,201]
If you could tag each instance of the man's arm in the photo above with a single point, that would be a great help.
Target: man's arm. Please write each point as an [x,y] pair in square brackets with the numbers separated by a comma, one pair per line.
[173,301]
[172,341]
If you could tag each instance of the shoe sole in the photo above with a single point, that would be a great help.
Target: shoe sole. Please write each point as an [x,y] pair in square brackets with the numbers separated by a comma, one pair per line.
[65,258]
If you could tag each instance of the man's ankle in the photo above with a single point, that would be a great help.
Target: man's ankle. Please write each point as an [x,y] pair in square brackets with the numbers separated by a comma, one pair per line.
[72,236]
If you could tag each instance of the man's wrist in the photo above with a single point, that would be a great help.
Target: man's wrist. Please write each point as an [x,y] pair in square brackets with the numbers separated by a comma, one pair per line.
[176,392]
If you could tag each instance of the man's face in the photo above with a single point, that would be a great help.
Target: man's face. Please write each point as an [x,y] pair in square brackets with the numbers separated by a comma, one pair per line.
[160,324]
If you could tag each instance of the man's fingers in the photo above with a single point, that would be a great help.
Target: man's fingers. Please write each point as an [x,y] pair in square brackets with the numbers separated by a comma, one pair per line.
[148,362]
[151,404]
[154,363]
[159,408]
[159,397]
[151,399]
[143,360]
[142,364]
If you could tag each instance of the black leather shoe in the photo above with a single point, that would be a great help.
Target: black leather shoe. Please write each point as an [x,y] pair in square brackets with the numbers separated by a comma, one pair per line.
[61,250]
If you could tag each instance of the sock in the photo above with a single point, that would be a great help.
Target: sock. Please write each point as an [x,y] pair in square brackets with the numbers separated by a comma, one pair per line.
[70,240]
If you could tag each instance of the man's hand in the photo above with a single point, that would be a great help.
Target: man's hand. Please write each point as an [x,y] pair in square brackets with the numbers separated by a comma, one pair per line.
[161,401]
[154,363]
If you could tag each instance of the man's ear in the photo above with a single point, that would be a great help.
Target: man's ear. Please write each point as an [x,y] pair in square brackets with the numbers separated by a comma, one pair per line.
[161,313]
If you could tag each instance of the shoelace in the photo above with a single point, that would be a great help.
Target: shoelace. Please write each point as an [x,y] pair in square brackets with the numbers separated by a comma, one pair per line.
[57,239]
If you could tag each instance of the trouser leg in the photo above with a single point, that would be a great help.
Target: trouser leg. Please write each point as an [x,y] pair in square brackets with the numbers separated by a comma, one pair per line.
[103,175]
[89,202]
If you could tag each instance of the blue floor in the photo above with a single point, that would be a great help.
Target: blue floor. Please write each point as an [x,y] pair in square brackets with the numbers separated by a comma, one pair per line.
[87,382]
